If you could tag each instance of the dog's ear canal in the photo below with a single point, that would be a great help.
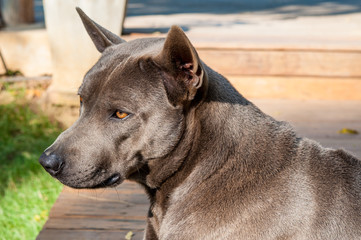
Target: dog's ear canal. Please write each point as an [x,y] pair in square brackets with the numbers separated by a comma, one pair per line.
[101,37]
[182,68]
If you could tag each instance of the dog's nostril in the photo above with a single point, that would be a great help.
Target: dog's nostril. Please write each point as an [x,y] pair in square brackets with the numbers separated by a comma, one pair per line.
[52,163]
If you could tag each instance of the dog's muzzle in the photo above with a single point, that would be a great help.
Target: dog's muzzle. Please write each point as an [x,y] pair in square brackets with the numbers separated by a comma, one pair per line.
[52,163]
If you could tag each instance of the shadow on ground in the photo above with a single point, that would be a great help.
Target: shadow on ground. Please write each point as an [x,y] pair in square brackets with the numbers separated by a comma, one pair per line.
[289,8]
[280,9]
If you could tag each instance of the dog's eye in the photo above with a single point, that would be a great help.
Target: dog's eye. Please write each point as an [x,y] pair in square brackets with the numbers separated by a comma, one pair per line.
[121,115]
[81,100]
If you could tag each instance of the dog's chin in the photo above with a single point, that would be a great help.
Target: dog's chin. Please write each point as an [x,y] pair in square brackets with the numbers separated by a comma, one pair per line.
[111,181]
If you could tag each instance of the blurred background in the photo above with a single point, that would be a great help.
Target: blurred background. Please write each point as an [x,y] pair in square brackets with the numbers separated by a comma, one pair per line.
[267,48]
[283,54]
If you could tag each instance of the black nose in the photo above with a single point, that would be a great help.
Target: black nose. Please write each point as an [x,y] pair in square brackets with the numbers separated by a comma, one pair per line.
[52,163]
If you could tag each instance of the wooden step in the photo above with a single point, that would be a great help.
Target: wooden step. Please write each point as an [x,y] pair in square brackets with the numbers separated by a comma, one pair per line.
[257,71]
[289,73]
[98,214]
[291,87]
[283,62]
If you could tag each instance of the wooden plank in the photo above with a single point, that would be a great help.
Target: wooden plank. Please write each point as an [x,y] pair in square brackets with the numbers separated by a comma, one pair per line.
[127,200]
[297,87]
[56,234]
[125,187]
[135,206]
[283,63]
[98,214]
[95,224]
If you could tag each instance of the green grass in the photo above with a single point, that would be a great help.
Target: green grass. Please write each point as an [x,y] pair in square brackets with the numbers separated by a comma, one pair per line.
[27,192]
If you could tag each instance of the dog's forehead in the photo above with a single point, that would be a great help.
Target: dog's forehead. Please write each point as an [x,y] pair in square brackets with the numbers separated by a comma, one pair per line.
[119,69]
[138,47]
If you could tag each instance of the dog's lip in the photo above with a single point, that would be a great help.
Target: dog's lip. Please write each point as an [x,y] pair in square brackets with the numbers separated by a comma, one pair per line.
[113,180]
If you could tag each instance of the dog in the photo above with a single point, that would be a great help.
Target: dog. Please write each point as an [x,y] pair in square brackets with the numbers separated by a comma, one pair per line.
[213,165]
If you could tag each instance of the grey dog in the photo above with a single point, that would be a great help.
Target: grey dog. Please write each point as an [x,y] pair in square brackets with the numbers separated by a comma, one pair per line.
[213,165]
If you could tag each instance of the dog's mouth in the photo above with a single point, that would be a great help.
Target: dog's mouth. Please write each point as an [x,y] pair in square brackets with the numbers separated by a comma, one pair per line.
[112,181]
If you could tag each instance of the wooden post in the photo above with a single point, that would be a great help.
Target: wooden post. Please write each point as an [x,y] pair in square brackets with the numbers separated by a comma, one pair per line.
[3,62]
[26,11]
[2,24]
[18,11]
[73,53]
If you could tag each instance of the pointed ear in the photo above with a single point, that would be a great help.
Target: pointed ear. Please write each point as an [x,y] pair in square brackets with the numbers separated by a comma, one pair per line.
[101,37]
[182,69]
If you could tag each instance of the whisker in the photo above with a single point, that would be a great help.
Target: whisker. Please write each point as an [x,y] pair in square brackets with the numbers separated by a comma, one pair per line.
[117,193]
[102,191]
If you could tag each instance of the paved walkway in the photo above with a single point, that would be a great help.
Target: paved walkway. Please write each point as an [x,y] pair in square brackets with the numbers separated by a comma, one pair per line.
[306,24]
[112,213]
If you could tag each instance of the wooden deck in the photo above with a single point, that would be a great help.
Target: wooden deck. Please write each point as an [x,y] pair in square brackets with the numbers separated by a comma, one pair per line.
[97,214]
[112,213]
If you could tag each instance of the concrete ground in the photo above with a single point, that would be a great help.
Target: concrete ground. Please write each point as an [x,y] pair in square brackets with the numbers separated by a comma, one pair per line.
[263,23]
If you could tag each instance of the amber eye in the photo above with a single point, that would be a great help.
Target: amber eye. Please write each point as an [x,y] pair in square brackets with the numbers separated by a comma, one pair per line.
[81,99]
[121,115]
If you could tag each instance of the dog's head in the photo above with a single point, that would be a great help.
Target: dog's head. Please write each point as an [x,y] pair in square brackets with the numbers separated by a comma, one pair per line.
[134,103]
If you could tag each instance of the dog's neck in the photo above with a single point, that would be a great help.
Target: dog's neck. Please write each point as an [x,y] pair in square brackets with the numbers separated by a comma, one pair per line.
[205,120]
[211,142]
